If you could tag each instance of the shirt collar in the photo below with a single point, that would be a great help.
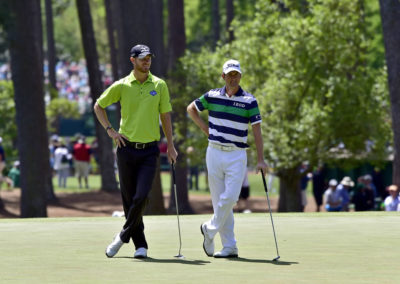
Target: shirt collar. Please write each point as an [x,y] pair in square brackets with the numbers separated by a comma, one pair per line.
[238,93]
[132,78]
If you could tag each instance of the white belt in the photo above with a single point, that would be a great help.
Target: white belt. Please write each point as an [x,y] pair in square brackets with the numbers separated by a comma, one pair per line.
[226,148]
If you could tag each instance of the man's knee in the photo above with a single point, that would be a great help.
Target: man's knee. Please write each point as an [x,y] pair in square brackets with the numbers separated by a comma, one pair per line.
[229,201]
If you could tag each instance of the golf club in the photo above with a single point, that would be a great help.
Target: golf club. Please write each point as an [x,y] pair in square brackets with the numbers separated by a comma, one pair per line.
[270,213]
[177,211]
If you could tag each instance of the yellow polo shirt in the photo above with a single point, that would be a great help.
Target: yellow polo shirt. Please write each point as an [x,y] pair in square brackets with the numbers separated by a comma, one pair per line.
[141,105]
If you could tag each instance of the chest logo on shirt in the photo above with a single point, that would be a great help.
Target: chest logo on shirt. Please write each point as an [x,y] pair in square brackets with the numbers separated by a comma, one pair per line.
[153,93]
[239,105]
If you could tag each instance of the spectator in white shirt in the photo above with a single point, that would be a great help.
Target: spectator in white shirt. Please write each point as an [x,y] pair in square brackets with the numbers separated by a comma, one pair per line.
[392,202]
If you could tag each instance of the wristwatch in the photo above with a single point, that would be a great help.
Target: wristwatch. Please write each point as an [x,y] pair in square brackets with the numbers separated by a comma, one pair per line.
[108,127]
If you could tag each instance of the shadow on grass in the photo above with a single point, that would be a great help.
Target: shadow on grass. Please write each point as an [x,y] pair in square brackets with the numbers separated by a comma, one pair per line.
[279,262]
[170,260]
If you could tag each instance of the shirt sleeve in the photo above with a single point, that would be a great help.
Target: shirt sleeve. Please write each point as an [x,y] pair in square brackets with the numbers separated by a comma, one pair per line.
[201,103]
[165,101]
[254,113]
[111,95]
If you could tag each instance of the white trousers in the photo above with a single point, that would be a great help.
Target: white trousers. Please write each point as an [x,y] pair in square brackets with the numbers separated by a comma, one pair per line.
[226,171]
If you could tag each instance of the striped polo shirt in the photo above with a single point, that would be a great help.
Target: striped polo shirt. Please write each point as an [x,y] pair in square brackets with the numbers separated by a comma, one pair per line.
[228,117]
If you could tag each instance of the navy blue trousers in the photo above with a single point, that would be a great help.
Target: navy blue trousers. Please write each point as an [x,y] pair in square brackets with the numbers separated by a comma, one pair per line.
[136,169]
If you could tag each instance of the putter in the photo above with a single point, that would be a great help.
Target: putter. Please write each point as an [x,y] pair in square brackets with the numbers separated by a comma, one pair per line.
[177,212]
[270,213]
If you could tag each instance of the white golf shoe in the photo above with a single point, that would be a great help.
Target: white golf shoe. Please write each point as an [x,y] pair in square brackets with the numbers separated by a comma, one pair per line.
[208,243]
[140,253]
[114,247]
[227,253]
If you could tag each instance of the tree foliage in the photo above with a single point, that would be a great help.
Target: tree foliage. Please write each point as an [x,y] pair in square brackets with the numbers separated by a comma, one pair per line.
[58,108]
[314,84]
[8,127]
[66,30]
[390,14]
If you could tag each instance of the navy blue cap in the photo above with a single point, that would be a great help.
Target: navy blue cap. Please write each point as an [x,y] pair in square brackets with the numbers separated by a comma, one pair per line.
[140,51]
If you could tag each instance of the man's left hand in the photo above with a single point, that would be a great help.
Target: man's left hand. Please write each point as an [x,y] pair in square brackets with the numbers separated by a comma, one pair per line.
[261,165]
[172,154]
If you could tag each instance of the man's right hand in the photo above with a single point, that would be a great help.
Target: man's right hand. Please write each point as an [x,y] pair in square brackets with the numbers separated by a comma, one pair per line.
[117,137]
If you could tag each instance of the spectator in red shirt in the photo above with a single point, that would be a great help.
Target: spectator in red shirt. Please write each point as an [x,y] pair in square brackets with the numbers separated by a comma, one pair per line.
[82,153]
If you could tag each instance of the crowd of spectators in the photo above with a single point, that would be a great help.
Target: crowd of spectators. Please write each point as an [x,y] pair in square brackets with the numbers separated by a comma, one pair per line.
[72,157]
[347,195]
[72,80]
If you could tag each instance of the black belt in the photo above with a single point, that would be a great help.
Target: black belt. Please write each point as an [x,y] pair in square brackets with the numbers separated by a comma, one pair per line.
[138,145]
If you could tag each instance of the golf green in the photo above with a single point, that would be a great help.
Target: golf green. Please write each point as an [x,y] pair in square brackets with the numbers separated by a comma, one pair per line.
[314,248]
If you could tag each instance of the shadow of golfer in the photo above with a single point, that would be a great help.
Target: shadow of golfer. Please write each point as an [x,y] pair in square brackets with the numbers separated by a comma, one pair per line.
[279,262]
[169,260]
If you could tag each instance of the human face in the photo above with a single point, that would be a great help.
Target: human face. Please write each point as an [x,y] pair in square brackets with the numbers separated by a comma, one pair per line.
[394,193]
[142,64]
[232,79]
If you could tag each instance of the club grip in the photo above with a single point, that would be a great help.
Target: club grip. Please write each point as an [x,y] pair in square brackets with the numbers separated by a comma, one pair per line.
[265,184]
[173,171]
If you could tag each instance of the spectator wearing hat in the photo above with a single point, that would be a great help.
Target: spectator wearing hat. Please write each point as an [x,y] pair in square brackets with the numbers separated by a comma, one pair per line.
[319,185]
[392,202]
[363,198]
[14,174]
[368,183]
[54,143]
[61,163]
[332,198]
[81,153]
[344,190]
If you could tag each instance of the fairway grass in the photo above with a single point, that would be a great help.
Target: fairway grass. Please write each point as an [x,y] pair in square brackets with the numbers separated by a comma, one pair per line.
[314,248]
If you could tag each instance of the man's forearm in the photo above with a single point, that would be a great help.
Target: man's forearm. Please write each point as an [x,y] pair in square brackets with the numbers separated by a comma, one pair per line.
[167,126]
[101,115]
[194,115]
[259,141]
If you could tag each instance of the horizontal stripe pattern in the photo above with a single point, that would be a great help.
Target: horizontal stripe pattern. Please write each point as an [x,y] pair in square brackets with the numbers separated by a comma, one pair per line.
[228,130]
[227,142]
[229,116]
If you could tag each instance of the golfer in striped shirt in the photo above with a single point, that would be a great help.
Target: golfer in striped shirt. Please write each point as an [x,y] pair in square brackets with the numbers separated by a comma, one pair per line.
[230,110]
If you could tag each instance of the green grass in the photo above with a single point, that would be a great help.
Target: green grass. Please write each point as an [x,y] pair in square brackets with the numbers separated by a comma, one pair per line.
[314,248]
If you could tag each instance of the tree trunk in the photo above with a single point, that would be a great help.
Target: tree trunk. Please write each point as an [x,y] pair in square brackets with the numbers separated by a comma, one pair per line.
[390,14]
[106,155]
[229,19]
[156,203]
[155,21]
[111,38]
[51,60]
[289,191]
[215,22]
[134,29]
[177,45]
[51,51]
[27,75]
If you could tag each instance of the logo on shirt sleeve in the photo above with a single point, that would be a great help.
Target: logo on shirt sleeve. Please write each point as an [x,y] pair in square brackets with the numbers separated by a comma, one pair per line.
[153,93]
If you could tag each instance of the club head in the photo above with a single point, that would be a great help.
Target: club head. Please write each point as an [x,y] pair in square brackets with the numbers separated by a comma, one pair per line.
[179,256]
[276,258]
